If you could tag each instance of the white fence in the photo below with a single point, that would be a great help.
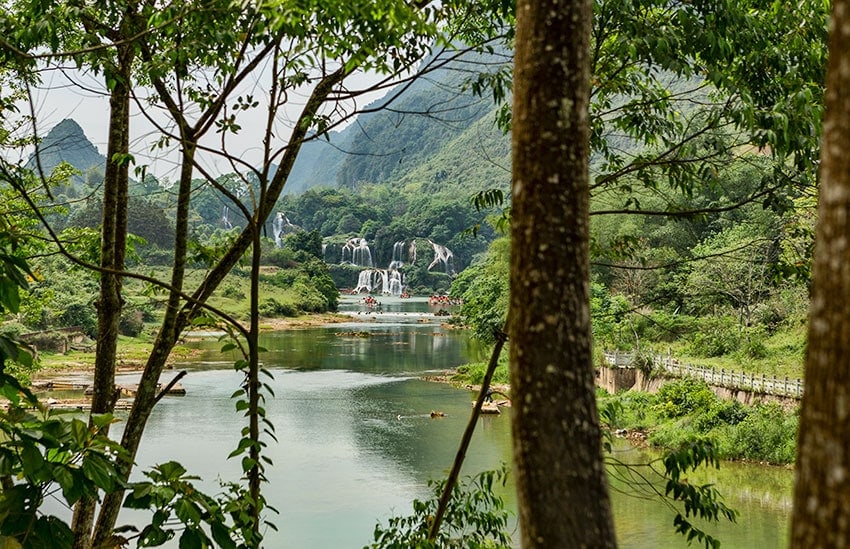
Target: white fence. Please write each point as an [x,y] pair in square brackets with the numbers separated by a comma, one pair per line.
[734,380]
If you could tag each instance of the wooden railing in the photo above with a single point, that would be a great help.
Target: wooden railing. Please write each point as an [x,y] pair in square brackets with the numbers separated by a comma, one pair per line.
[734,380]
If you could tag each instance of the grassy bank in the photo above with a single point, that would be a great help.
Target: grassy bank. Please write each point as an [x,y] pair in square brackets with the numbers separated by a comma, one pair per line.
[682,411]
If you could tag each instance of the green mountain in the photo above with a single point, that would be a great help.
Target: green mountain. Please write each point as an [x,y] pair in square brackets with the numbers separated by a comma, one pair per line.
[432,133]
[67,142]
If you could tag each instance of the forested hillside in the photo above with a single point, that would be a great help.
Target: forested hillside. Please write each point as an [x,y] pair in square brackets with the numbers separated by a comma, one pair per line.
[433,129]
[404,170]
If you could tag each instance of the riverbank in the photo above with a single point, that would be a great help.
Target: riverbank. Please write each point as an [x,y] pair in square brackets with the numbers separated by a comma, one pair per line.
[683,410]
[133,352]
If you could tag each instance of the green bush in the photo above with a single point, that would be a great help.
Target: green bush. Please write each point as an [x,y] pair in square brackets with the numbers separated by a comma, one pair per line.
[272,308]
[684,396]
[722,412]
[473,373]
[715,336]
[768,434]
[310,299]
[753,343]
[80,314]
[233,291]
[131,322]
[674,434]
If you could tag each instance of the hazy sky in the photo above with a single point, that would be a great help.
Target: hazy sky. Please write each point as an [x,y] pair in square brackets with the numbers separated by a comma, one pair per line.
[69,94]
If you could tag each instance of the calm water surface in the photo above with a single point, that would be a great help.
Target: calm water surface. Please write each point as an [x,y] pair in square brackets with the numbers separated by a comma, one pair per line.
[357,443]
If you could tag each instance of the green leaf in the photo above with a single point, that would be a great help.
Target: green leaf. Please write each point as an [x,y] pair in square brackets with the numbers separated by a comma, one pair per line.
[221,535]
[192,539]
[187,512]
[100,471]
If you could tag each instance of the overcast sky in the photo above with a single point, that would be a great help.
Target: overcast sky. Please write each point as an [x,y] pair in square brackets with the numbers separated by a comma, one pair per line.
[69,94]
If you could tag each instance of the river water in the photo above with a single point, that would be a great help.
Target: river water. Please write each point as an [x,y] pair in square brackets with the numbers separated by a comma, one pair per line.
[357,442]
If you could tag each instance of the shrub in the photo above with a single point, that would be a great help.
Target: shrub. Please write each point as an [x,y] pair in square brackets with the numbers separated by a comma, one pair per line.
[767,434]
[723,412]
[233,291]
[753,343]
[80,314]
[131,323]
[716,336]
[270,307]
[684,396]
[674,434]
[310,299]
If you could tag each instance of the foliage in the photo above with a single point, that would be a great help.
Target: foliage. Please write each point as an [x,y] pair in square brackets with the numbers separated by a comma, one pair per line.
[171,494]
[475,518]
[700,501]
[131,322]
[483,287]
[473,373]
[684,396]
[767,433]
[716,336]
[685,410]
[308,242]
[42,450]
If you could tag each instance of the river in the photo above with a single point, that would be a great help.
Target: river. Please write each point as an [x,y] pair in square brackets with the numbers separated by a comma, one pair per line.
[357,442]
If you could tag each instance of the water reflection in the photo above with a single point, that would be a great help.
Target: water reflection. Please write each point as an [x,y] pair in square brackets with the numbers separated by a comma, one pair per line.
[357,443]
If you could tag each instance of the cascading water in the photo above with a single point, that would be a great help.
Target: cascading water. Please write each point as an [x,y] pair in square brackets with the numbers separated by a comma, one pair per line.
[390,281]
[279,225]
[396,288]
[364,281]
[356,251]
[444,256]
[398,251]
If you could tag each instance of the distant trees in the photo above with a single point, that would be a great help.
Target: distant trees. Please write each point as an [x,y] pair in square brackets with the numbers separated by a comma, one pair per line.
[194,60]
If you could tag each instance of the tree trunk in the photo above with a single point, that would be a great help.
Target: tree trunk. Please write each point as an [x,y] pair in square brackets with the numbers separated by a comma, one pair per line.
[167,337]
[560,475]
[821,515]
[112,252]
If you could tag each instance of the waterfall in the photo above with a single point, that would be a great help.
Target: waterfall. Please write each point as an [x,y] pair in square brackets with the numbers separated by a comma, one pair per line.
[396,288]
[364,281]
[279,222]
[224,218]
[356,251]
[390,281]
[398,252]
[444,256]
[385,281]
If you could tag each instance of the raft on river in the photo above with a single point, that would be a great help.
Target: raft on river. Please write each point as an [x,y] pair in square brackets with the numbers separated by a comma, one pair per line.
[489,408]
[131,390]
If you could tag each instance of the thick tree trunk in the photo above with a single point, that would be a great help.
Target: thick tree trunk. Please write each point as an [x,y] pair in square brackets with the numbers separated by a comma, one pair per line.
[821,515]
[560,475]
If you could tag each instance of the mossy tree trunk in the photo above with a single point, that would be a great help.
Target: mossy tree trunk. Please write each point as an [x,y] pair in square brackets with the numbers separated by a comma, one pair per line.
[560,476]
[821,515]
